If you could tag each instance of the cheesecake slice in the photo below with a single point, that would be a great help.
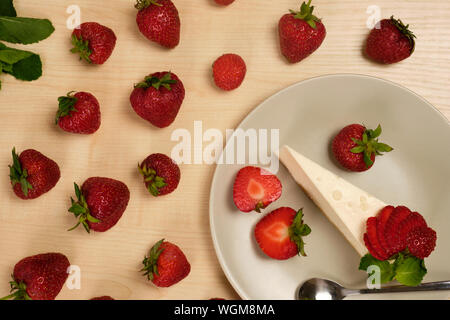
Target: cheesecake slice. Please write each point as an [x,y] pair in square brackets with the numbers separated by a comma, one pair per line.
[345,205]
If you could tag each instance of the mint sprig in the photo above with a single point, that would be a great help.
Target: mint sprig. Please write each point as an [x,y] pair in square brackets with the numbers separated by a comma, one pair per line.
[403,267]
[23,65]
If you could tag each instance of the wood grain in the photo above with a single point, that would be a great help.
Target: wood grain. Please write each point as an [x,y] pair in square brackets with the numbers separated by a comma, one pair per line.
[110,262]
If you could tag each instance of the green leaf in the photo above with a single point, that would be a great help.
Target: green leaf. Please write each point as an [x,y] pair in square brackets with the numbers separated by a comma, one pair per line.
[382,147]
[386,269]
[28,69]
[357,149]
[375,133]
[7,68]
[24,30]
[410,271]
[11,56]
[7,8]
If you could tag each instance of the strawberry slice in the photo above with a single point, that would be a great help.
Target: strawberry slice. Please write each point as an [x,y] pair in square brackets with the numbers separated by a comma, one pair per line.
[413,221]
[279,233]
[421,241]
[371,231]
[383,217]
[370,248]
[391,233]
[255,188]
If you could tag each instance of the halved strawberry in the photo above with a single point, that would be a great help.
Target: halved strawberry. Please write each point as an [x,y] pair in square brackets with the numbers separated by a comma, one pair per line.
[371,231]
[370,248]
[279,233]
[391,234]
[382,218]
[414,220]
[255,188]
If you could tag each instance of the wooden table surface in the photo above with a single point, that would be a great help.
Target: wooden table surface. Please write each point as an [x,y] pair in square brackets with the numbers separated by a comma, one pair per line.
[110,261]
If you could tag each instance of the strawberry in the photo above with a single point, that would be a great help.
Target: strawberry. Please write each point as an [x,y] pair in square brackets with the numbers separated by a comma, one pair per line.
[78,113]
[161,174]
[103,298]
[301,33]
[421,241]
[229,71]
[414,220]
[93,42]
[390,41]
[39,277]
[372,235]
[355,147]
[224,2]
[158,21]
[158,98]
[255,188]
[382,218]
[32,174]
[166,264]
[100,203]
[279,233]
[391,235]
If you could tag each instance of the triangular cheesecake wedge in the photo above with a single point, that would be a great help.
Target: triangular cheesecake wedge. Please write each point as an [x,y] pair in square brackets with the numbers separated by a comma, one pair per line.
[345,205]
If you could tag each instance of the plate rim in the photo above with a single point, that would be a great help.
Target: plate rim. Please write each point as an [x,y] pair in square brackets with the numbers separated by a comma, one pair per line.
[217,250]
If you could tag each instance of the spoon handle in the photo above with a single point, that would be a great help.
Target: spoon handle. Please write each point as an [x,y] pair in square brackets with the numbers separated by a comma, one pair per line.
[430,286]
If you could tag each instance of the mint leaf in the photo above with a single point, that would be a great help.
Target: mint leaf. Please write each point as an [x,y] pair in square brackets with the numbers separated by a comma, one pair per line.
[386,269]
[410,271]
[24,30]
[28,69]
[11,56]
[7,8]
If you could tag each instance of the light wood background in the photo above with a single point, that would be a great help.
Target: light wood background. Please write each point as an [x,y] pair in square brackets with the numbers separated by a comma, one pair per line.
[110,262]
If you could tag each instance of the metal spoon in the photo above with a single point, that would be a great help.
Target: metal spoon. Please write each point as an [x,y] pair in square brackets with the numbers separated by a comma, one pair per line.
[322,289]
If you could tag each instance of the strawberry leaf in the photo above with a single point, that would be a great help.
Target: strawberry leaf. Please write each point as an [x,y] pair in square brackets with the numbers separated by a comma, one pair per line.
[297,230]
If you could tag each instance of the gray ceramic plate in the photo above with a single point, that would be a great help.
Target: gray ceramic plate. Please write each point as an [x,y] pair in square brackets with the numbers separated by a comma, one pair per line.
[309,114]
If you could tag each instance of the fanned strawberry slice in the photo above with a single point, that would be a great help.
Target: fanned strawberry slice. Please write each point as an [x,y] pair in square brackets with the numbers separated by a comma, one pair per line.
[370,248]
[391,233]
[255,188]
[383,217]
[279,233]
[413,221]
[371,231]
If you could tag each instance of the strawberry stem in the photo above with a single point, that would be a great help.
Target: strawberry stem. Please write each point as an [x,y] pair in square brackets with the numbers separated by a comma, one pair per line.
[151,262]
[305,14]
[81,211]
[142,4]
[298,230]
[156,82]
[369,145]
[82,47]
[19,175]
[66,105]
[405,31]
[19,291]
[154,182]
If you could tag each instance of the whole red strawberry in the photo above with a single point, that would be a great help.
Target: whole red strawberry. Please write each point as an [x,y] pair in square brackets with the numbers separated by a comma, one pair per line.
[279,233]
[101,203]
[166,264]
[255,188]
[158,98]
[229,71]
[355,147]
[39,277]
[224,2]
[421,241]
[78,113]
[103,298]
[161,174]
[390,41]
[158,21]
[32,174]
[93,42]
[301,33]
